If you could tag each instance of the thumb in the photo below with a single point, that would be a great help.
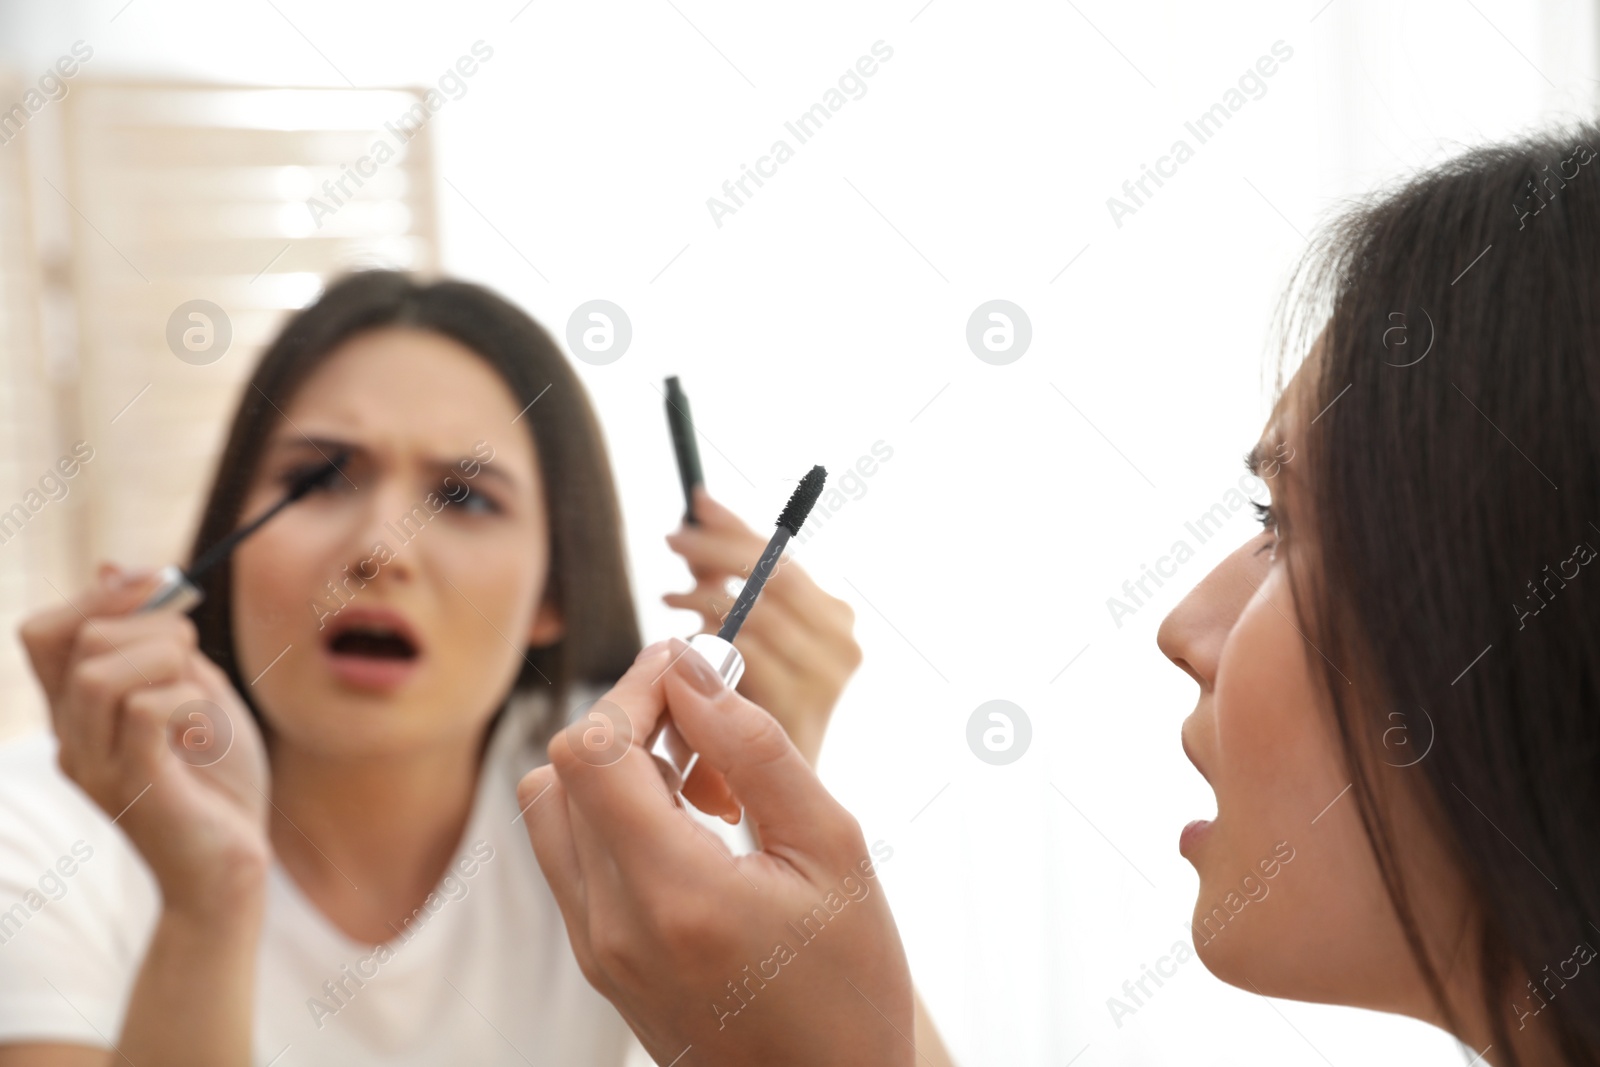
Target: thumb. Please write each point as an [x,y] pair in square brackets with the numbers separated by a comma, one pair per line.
[780,792]
[48,635]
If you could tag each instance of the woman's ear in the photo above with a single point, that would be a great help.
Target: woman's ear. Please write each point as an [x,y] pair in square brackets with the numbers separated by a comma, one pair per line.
[548,625]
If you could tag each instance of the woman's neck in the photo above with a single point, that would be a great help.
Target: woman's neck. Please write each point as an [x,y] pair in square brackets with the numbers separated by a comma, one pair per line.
[368,839]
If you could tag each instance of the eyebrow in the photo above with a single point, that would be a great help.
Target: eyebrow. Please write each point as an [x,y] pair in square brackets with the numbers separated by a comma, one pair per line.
[1260,454]
[330,446]
[1256,456]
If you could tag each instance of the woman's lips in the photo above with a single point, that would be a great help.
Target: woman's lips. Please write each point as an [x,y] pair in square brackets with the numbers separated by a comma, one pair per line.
[361,665]
[1193,834]
[371,672]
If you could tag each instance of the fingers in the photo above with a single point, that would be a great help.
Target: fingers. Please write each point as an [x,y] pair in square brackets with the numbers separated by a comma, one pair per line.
[85,718]
[622,793]
[211,678]
[703,600]
[708,790]
[604,891]
[102,638]
[712,514]
[713,561]
[801,639]
[581,874]
[543,805]
[113,636]
[145,723]
[803,598]
[791,586]
[795,642]
[781,793]
[710,552]
[48,636]
[722,546]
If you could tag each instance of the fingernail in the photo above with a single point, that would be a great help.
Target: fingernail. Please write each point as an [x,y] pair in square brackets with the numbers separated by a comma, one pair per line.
[699,673]
[732,818]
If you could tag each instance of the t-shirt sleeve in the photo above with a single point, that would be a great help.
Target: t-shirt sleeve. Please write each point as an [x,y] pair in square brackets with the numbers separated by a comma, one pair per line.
[76,906]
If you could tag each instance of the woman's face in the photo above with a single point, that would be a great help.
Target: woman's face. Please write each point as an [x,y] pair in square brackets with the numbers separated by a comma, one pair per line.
[439,519]
[1291,903]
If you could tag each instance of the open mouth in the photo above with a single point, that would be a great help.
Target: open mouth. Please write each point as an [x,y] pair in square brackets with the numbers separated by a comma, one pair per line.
[373,642]
[372,648]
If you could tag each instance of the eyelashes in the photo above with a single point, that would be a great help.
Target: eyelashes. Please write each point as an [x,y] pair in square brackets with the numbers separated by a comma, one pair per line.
[452,498]
[1269,523]
[294,474]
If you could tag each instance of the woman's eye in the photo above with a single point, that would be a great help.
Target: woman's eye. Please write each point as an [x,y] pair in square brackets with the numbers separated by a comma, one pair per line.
[293,476]
[1269,523]
[477,502]
[469,501]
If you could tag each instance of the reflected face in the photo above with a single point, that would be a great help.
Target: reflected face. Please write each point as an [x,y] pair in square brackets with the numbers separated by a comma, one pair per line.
[1291,902]
[389,609]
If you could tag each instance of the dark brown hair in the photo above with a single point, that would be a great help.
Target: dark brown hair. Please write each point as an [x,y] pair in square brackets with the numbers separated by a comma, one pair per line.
[588,571]
[1451,454]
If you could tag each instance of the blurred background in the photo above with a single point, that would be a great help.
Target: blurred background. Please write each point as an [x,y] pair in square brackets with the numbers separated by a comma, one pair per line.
[169,177]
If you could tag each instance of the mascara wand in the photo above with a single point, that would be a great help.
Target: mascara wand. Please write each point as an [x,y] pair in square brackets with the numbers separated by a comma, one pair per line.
[794,513]
[674,758]
[180,588]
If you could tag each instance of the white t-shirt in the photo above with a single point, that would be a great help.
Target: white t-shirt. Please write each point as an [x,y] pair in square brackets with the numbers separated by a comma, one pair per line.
[483,974]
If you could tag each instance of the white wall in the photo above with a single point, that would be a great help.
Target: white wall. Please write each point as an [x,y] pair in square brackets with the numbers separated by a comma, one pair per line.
[829,313]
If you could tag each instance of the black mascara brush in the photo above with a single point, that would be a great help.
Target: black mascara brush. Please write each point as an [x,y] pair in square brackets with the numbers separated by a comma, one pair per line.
[794,513]
[673,755]
[180,589]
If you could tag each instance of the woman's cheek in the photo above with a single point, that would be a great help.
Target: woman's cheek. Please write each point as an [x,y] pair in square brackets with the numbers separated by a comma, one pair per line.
[279,594]
[1287,818]
[496,574]
[1272,738]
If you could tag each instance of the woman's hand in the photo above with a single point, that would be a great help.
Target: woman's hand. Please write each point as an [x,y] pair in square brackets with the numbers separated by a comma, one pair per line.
[188,786]
[789,955]
[797,642]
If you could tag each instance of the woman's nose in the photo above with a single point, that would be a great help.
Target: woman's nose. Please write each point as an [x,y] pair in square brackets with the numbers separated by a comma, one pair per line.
[1193,633]
[387,509]
[1174,641]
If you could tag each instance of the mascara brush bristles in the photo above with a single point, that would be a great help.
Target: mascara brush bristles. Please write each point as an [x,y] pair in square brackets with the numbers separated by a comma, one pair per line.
[219,551]
[802,500]
[793,516]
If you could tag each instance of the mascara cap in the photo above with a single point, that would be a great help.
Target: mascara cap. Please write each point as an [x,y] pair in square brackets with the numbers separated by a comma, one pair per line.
[674,758]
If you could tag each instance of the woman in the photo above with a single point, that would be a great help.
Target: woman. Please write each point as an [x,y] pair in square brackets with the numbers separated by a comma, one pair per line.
[315,770]
[1399,681]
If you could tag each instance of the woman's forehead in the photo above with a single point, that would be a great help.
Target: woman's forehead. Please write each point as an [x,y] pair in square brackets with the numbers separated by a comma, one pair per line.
[408,391]
[1286,418]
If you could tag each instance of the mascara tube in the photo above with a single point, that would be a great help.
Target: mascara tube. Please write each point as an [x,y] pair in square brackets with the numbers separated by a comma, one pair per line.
[176,591]
[683,446]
